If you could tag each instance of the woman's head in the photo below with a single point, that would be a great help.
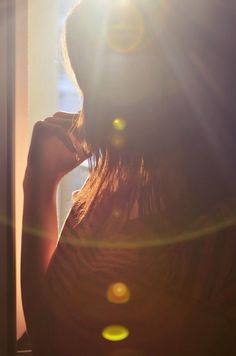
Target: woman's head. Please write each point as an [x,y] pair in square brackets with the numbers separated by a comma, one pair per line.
[166,68]
[115,52]
[158,65]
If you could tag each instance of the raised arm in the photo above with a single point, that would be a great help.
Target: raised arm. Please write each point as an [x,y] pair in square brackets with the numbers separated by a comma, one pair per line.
[51,156]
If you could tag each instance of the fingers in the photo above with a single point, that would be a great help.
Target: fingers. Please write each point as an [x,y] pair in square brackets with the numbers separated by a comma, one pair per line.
[64,115]
[43,142]
[59,121]
[66,120]
[46,129]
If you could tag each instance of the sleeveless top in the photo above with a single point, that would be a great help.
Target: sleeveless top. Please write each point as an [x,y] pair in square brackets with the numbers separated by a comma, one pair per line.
[182,289]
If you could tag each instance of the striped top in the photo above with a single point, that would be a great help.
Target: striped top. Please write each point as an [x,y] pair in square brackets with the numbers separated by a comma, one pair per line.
[182,292]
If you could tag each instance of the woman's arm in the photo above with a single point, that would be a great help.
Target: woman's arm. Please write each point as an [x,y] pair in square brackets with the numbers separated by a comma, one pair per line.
[39,238]
[48,161]
[40,232]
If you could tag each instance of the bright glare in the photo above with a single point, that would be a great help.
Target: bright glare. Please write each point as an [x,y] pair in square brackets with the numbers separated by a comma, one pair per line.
[125,28]
[115,333]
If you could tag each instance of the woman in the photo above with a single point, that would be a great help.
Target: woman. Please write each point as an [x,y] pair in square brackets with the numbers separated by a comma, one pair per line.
[146,256]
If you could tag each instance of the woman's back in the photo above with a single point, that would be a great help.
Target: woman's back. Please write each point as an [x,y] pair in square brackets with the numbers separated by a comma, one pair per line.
[180,292]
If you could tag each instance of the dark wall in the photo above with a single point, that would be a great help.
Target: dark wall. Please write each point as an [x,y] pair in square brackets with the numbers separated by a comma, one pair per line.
[7,254]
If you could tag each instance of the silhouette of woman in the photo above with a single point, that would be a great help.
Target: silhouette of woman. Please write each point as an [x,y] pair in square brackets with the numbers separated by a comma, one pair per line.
[146,261]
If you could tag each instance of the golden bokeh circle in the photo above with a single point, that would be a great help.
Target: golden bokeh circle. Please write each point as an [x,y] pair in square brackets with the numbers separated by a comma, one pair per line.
[115,333]
[118,293]
[119,124]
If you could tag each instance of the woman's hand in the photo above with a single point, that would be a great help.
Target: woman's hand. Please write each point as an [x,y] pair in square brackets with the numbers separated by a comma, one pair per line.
[52,151]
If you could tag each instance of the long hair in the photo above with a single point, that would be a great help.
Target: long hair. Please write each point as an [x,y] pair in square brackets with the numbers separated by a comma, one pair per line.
[157,79]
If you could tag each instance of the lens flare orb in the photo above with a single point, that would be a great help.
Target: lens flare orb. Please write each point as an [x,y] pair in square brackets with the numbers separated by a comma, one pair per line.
[118,141]
[118,293]
[119,124]
[115,333]
[125,27]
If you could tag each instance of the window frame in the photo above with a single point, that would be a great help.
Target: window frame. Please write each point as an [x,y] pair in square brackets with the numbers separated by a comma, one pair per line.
[7,231]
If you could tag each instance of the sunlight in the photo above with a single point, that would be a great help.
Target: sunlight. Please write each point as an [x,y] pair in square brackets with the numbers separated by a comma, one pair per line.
[125,28]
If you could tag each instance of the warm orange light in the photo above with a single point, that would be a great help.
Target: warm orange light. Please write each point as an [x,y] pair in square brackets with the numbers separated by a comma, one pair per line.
[118,293]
